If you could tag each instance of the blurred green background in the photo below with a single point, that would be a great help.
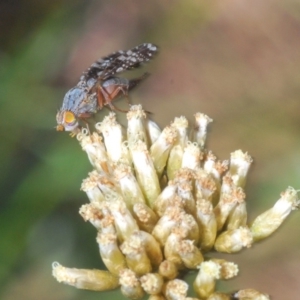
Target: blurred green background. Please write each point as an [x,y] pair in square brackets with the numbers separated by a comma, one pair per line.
[236,61]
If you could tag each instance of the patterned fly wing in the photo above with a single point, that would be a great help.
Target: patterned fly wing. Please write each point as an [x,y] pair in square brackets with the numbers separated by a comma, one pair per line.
[120,61]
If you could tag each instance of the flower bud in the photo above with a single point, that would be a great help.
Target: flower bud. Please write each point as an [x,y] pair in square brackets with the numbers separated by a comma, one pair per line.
[95,280]
[265,224]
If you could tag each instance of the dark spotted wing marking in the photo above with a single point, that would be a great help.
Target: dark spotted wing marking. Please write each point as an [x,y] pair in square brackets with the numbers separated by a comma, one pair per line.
[120,61]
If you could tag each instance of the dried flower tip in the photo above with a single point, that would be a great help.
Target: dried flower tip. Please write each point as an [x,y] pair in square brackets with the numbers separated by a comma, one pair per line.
[96,152]
[205,282]
[136,129]
[130,285]
[130,188]
[145,172]
[206,220]
[90,187]
[190,254]
[184,175]
[109,187]
[113,136]
[176,289]
[168,269]
[234,240]
[205,185]
[145,217]
[160,150]
[230,196]
[250,294]
[136,256]
[239,166]
[181,126]
[92,213]
[265,224]
[124,221]
[191,156]
[95,280]
[110,253]
[200,128]
[214,167]
[152,283]
[228,268]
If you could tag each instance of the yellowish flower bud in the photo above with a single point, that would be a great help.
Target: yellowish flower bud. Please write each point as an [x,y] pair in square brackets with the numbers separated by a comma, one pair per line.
[214,167]
[185,192]
[136,128]
[230,196]
[124,221]
[228,268]
[95,280]
[205,185]
[130,189]
[130,285]
[181,126]
[145,172]
[90,187]
[176,289]
[175,161]
[106,187]
[176,154]
[200,128]
[265,224]
[151,247]
[250,294]
[136,256]
[234,240]
[189,223]
[189,253]
[91,212]
[152,283]
[113,136]
[238,216]
[145,217]
[160,150]
[166,223]
[239,166]
[95,149]
[205,282]
[172,244]
[207,223]
[191,156]
[168,269]
[165,198]
[153,131]
[110,253]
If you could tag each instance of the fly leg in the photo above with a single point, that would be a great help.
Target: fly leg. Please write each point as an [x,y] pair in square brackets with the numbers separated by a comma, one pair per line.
[111,96]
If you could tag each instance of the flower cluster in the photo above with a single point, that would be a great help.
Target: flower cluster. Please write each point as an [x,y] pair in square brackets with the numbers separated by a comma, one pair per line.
[160,201]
